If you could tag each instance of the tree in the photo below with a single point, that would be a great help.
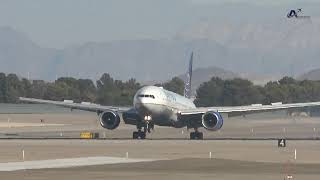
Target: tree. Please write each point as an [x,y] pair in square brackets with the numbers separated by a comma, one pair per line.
[218,92]
[175,85]
[287,81]
[116,92]
[26,87]
[87,90]
[215,92]
[106,90]
[14,88]
[128,91]
[210,93]
[69,88]
[3,88]
[38,89]
[240,92]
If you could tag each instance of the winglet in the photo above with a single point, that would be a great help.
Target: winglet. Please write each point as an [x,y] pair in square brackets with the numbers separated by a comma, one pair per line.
[187,84]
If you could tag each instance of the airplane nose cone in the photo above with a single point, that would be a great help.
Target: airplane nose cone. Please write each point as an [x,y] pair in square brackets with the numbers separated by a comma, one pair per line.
[145,101]
[142,107]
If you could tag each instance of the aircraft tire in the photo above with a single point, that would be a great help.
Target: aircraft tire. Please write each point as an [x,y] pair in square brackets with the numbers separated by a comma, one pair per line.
[135,135]
[142,135]
[192,135]
[200,135]
[196,135]
[138,135]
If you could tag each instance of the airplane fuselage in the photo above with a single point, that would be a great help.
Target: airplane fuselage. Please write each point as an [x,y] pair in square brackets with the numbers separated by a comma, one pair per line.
[160,106]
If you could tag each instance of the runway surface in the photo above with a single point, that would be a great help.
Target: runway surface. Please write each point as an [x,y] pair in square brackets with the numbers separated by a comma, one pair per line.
[66,162]
[256,157]
[185,159]
[173,169]
[69,125]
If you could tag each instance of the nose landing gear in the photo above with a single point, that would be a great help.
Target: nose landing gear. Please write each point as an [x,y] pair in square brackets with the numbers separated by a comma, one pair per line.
[147,127]
[139,135]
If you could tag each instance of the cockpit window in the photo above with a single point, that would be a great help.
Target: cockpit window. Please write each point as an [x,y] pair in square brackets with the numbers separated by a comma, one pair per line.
[146,95]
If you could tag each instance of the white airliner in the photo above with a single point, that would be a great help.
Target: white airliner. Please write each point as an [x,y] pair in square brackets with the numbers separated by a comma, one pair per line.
[156,106]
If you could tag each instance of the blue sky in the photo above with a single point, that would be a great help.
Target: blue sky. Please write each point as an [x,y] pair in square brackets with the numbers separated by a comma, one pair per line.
[62,23]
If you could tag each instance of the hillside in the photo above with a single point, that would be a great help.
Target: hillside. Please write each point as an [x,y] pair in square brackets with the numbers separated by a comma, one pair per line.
[254,49]
[18,54]
[311,75]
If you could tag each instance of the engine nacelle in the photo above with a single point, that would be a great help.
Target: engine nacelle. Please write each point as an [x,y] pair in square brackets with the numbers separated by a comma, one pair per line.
[212,121]
[109,120]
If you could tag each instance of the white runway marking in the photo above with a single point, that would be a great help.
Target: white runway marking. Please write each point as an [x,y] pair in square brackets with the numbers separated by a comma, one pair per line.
[63,163]
[17,125]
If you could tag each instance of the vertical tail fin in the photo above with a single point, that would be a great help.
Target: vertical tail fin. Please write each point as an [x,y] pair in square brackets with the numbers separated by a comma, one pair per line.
[187,84]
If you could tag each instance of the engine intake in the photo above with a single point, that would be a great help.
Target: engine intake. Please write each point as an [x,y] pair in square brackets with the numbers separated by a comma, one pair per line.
[212,121]
[109,120]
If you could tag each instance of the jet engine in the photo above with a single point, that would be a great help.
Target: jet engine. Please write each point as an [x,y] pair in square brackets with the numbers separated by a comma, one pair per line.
[212,121]
[109,120]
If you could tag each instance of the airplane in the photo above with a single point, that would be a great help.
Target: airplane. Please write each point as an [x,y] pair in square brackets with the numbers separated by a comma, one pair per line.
[154,105]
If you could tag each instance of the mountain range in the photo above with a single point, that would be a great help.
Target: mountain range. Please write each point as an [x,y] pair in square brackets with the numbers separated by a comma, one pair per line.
[249,49]
[313,75]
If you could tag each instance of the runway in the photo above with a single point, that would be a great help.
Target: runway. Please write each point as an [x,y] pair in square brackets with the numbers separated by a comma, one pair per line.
[18,137]
[246,148]
[258,151]
[66,163]
[182,159]
[70,125]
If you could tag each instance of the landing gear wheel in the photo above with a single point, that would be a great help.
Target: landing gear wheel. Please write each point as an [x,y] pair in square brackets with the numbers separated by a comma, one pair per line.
[139,135]
[196,135]
[200,135]
[135,135]
[142,135]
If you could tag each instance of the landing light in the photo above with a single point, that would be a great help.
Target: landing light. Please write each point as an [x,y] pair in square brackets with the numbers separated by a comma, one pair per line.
[147,118]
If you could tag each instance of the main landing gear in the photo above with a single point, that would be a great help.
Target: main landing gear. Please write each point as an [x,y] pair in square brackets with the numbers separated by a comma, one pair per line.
[196,135]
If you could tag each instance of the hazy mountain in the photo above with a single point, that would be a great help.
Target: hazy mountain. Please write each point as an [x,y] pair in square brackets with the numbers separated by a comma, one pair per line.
[201,75]
[142,59]
[20,55]
[311,75]
[256,49]
[278,47]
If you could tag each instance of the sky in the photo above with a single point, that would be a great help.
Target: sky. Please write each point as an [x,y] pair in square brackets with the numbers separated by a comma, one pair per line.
[63,23]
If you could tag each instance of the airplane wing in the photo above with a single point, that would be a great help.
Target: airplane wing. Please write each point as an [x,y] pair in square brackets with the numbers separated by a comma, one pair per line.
[81,106]
[241,110]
